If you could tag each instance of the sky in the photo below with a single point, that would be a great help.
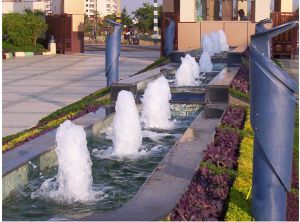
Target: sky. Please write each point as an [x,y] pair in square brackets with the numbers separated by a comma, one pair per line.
[132,5]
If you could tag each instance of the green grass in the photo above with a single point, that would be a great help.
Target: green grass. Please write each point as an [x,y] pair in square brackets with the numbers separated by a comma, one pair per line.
[239,206]
[8,47]
[77,106]
[54,119]
[240,95]
[154,65]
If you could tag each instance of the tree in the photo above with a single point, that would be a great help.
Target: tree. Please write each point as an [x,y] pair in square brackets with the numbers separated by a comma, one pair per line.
[125,17]
[145,16]
[23,29]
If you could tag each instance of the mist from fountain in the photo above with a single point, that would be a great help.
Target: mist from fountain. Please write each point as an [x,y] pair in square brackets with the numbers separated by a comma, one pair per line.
[205,63]
[207,44]
[126,126]
[215,38]
[223,41]
[156,104]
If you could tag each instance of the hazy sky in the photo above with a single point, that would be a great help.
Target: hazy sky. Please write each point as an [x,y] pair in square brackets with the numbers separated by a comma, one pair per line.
[132,5]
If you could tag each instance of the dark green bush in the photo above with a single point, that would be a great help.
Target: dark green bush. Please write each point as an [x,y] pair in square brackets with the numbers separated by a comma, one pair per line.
[23,29]
[8,47]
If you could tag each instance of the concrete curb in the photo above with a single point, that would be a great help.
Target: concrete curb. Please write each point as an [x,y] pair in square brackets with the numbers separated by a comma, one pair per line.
[23,54]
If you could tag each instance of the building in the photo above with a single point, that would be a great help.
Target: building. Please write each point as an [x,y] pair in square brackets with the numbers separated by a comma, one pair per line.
[20,5]
[101,7]
[205,16]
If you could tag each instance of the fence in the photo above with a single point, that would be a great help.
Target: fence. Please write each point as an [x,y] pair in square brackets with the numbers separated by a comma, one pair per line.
[285,44]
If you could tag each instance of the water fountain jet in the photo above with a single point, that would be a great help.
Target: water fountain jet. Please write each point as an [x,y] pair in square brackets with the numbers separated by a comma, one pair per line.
[156,105]
[126,126]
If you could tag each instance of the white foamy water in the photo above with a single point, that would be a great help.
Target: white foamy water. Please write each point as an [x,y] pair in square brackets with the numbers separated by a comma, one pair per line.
[184,75]
[215,38]
[156,104]
[126,126]
[223,41]
[192,61]
[205,63]
[207,44]
[74,180]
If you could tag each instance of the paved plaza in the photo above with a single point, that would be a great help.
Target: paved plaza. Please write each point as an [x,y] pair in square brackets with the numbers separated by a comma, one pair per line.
[35,86]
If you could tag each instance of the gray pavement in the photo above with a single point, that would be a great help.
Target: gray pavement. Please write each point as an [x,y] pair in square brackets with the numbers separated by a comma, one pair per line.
[36,86]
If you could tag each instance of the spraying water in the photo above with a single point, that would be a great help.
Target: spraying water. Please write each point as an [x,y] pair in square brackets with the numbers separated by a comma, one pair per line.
[192,61]
[184,75]
[156,105]
[207,44]
[215,38]
[126,126]
[223,41]
[205,63]
[74,180]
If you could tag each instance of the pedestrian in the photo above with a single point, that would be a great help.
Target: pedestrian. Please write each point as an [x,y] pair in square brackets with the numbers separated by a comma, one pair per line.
[242,15]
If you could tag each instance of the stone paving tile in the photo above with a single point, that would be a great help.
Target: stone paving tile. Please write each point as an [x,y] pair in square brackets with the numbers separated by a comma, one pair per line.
[36,86]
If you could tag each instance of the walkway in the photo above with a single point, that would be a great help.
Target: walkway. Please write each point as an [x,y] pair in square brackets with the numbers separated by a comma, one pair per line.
[35,86]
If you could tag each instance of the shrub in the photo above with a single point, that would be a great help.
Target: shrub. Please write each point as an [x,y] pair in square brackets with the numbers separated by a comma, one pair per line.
[23,29]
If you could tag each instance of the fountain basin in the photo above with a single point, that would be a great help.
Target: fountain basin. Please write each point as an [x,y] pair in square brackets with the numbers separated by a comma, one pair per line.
[126,176]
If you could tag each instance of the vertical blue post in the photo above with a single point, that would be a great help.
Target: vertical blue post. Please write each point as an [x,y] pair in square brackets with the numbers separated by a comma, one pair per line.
[169,37]
[112,53]
[272,102]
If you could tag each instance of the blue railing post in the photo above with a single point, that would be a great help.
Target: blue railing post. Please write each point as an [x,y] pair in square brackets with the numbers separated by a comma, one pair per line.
[169,37]
[112,53]
[272,100]
[259,27]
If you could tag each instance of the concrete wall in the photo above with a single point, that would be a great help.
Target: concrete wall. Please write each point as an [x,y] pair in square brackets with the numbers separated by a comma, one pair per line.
[74,7]
[262,9]
[188,41]
[187,10]
[8,7]
[188,35]
[168,5]
[78,23]
[286,6]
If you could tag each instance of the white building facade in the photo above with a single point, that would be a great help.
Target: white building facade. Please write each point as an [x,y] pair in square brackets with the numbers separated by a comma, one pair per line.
[103,8]
[20,5]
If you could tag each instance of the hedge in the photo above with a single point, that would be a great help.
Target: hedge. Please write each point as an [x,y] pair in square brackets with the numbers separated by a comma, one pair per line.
[239,206]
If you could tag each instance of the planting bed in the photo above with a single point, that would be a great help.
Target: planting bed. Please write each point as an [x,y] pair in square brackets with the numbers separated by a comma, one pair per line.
[207,194]
[239,87]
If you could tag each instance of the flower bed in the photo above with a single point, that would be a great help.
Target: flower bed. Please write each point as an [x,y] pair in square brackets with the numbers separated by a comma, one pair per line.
[207,194]
[73,111]
[239,206]
[239,87]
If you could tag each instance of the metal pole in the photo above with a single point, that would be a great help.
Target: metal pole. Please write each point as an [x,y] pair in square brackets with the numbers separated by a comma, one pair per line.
[112,53]
[155,19]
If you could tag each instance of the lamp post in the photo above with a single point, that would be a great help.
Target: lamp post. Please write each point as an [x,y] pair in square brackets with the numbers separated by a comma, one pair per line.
[155,22]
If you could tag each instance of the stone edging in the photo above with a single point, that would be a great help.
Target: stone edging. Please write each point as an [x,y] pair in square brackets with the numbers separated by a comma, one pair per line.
[10,55]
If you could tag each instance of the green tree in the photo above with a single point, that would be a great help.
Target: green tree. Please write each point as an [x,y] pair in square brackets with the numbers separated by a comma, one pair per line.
[23,29]
[125,17]
[145,16]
